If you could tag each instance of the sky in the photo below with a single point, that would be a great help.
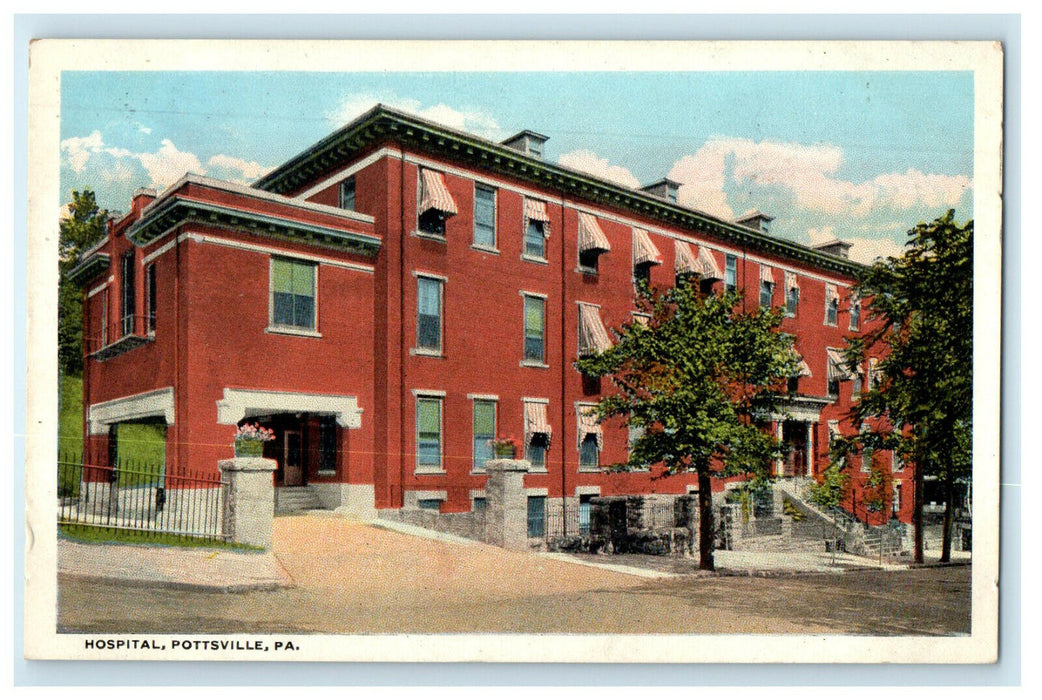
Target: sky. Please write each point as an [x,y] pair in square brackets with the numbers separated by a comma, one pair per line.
[860,156]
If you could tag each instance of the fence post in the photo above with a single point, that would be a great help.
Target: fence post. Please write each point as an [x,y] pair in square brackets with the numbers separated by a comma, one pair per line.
[506,510]
[249,500]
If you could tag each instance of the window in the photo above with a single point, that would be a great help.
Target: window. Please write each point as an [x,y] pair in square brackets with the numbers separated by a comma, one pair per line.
[428,314]
[831,305]
[126,306]
[429,503]
[645,255]
[584,513]
[347,194]
[792,293]
[592,243]
[897,497]
[593,336]
[484,432]
[292,294]
[536,516]
[428,433]
[589,453]
[480,503]
[794,384]
[588,260]
[484,217]
[535,318]
[855,313]
[856,385]
[730,273]
[866,453]
[535,452]
[899,465]
[535,240]
[150,293]
[435,203]
[642,274]
[766,293]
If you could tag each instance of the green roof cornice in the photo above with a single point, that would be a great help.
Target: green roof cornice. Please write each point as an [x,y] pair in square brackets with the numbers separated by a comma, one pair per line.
[93,265]
[381,124]
[176,211]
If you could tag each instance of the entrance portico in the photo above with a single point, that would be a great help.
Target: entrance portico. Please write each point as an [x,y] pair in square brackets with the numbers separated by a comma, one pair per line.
[794,428]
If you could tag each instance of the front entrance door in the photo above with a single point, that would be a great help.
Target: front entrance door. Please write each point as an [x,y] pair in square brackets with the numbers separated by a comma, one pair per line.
[292,462]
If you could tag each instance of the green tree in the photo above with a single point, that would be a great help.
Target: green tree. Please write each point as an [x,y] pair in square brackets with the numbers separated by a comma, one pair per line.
[700,379]
[84,226]
[919,402]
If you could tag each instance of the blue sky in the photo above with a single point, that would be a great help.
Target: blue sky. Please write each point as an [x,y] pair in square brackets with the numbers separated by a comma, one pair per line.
[861,156]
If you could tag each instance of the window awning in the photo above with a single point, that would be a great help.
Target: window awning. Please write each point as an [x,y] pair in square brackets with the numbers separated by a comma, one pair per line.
[873,372]
[766,274]
[535,210]
[804,369]
[839,370]
[831,295]
[536,422]
[593,336]
[684,260]
[644,251]
[434,195]
[791,281]
[834,430]
[588,425]
[591,237]
[709,268]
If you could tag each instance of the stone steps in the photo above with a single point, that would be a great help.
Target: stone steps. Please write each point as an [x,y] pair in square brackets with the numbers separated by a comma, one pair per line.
[292,500]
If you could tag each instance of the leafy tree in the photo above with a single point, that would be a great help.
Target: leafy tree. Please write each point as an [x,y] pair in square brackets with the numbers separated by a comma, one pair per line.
[830,488]
[919,402]
[700,378]
[84,227]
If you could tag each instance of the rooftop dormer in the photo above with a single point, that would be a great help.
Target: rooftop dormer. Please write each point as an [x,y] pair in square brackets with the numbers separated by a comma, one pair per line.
[835,247]
[528,142]
[755,219]
[664,188]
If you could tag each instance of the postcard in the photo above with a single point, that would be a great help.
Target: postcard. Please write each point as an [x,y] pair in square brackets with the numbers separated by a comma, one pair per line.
[537,351]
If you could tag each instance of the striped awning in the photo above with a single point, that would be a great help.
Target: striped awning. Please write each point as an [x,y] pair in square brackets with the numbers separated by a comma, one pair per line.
[873,372]
[591,237]
[766,274]
[684,260]
[644,251]
[536,422]
[831,295]
[791,281]
[804,369]
[839,370]
[434,195]
[535,210]
[593,336]
[710,269]
[834,430]
[588,424]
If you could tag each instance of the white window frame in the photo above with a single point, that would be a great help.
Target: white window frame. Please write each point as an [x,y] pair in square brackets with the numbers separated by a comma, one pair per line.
[439,397]
[313,332]
[475,400]
[494,248]
[441,282]
[526,361]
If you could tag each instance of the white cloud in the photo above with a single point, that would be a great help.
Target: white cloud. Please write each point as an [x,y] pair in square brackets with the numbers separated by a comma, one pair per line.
[244,171]
[144,129]
[589,162]
[78,150]
[472,120]
[807,172]
[168,164]
[867,250]
[822,235]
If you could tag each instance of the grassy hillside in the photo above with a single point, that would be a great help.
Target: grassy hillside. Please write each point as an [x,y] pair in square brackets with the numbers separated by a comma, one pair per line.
[142,443]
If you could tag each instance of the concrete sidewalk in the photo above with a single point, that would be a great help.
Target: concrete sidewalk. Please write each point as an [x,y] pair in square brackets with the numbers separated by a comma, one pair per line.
[186,568]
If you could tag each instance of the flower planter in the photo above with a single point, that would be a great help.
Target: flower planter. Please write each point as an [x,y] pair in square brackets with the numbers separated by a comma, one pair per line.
[249,448]
[506,452]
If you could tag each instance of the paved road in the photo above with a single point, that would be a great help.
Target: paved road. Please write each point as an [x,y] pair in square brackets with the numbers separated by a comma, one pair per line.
[353,578]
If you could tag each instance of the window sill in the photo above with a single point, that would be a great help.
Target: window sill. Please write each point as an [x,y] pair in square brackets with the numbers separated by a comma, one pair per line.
[534,259]
[484,249]
[593,272]
[590,470]
[421,352]
[538,470]
[284,330]
[429,471]
[429,236]
[326,472]
[534,364]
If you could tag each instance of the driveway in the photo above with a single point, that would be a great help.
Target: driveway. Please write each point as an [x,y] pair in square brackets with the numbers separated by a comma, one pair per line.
[354,578]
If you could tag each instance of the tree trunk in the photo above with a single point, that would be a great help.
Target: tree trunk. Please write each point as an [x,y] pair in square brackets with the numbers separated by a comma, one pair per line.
[917,511]
[705,522]
[949,509]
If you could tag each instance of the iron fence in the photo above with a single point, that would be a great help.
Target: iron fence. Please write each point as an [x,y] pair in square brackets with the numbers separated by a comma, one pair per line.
[570,518]
[140,497]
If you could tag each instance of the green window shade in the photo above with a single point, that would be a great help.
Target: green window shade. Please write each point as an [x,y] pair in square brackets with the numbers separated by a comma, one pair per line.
[484,418]
[429,417]
[282,276]
[534,316]
[303,280]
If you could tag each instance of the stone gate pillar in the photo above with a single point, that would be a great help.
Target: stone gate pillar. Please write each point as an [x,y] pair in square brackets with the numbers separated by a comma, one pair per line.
[249,500]
[506,509]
